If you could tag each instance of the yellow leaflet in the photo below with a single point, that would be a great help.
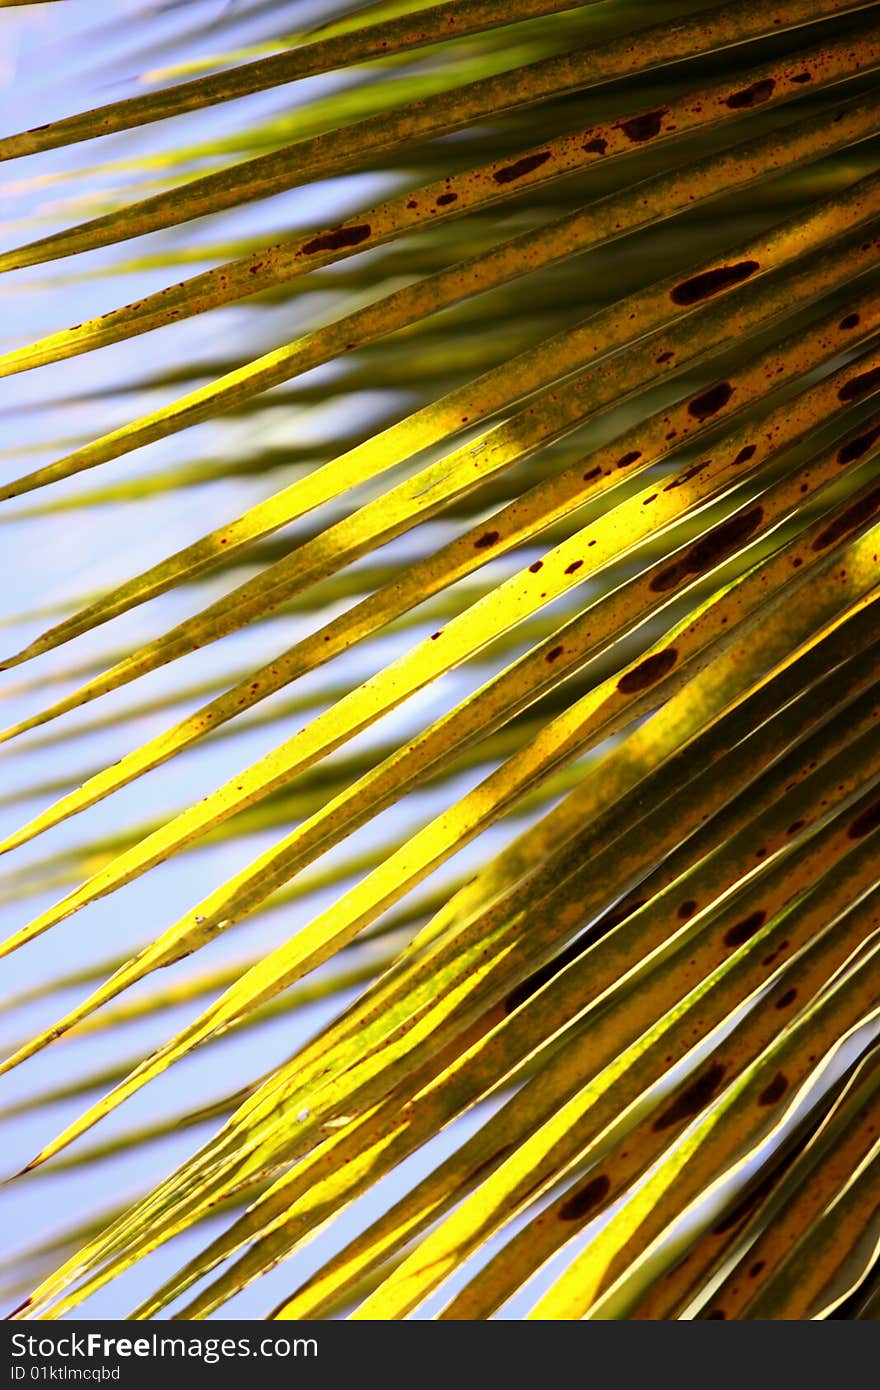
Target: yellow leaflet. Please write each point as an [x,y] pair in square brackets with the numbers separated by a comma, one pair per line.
[514,600]
[708,695]
[726,1141]
[832,1154]
[560,741]
[614,1058]
[450,197]
[471,465]
[827,949]
[567,565]
[380,40]
[347,149]
[643,205]
[466,1077]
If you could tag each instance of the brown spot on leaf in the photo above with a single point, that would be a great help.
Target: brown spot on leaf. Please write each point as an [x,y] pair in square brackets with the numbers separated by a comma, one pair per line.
[446,198]
[553,653]
[626,459]
[573,567]
[488,538]
[775,1091]
[850,321]
[850,520]
[745,454]
[638,129]
[787,999]
[745,929]
[866,822]
[753,95]
[859,386]
[521,167]
[593,473]
[586,1199]
[783,946]
[687,909]
[710,402]
[711,282]
[685,477]
[721,541]
[538,564]
[338,239]
[802,77]
[597,146]
[648,672]
[854,449]
[693,1099]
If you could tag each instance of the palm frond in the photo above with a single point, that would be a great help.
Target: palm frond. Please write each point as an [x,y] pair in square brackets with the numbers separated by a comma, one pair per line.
[540,399]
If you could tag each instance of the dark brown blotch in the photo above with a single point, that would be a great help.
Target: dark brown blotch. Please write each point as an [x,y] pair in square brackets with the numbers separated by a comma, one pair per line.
[775,1091]
[593,473]
[745,930]
[687,909]
[753,95]
[786,1000]
[686,476]
[573,567]
[693,1099]
[850,321]
[854,449]
[710,282]
[597,146]
[720,542]
[710,402]
[553,653]
[626,459]
[850,520]
[521,167]
[644,127]
[866,822]
[648,672]
[488,538]
[537,565]
[859,386]
[745,454]
[338,240]
[586,1199]
[446,198]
